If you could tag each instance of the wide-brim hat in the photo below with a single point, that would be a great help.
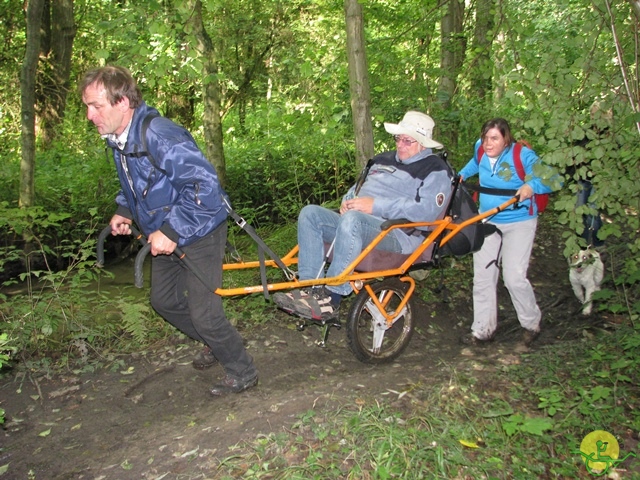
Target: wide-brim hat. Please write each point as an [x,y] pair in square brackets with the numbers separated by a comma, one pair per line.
[418,126]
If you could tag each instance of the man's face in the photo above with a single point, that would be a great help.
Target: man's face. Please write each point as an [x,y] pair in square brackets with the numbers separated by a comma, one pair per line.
[108,119]
[406,146]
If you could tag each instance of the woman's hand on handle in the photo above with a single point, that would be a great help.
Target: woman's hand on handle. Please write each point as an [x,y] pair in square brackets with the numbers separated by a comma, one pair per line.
[524,192]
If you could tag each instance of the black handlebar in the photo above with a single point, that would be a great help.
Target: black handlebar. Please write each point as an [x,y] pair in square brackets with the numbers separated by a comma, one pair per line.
[106,231]
[144,251]
[100,249]
[139,281]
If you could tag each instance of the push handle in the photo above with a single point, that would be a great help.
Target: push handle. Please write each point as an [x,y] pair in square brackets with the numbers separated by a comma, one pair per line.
[142,254]
[106,231]
[139,281]
[100,248]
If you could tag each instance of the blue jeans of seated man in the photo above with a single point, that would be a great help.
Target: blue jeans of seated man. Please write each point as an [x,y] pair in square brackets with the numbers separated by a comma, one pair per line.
[352,231]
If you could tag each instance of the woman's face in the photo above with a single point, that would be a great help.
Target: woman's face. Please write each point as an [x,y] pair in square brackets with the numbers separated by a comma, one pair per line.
[493,142]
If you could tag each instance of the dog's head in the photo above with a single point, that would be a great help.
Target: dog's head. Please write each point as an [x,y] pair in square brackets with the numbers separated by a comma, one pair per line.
[583,259]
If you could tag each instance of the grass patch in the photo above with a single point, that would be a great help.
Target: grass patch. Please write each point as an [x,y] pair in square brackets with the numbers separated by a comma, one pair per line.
[520,421]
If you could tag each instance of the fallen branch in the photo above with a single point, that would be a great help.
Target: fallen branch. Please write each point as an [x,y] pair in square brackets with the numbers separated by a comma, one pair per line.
[133,387]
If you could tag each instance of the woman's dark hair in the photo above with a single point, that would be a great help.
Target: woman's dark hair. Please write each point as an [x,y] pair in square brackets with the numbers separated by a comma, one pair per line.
[503,127]
[117,81]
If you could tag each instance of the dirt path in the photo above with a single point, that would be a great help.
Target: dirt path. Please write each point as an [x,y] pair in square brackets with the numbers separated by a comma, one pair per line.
[153,418]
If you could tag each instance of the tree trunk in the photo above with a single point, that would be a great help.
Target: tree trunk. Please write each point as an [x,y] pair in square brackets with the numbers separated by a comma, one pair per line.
[56,47]
[28,100]
[482,67]
[451,59]
[211,96]
[359,82]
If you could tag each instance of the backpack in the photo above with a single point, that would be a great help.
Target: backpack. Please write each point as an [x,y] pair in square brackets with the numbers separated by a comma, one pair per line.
[471,238]
[541,199]
[462,207]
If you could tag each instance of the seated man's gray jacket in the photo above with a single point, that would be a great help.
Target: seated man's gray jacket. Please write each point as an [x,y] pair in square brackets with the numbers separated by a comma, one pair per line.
[417,189]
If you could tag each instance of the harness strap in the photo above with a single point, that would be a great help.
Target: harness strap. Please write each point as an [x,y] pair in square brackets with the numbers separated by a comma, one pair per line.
[503,192]
[143,137]
[363,176]
[262,248]
[263,273]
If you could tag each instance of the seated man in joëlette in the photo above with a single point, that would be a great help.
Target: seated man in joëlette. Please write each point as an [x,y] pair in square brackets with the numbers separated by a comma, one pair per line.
[410,182]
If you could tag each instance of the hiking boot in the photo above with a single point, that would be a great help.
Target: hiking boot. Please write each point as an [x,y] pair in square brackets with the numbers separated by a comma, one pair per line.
[312,303]
[471,340]
[529,336]
[230,384]
[204,359]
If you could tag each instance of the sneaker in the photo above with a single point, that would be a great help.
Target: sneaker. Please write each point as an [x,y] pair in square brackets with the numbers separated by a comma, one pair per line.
[204,359]
[471,340]
[529,336]
[313,303]
[230,384]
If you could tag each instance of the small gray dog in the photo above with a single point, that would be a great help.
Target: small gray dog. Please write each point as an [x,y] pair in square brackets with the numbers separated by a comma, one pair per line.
[585,274]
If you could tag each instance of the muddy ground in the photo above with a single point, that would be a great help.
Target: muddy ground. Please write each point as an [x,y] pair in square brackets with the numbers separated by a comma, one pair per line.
[154,418]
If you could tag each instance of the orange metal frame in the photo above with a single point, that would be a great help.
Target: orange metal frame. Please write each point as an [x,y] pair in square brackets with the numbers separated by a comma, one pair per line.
[440,231]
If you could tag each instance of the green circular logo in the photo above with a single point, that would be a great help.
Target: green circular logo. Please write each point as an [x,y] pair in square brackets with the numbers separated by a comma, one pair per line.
[599,450]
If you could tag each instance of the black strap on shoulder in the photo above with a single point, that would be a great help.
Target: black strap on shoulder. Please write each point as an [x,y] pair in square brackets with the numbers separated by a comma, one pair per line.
[143,131]
[143,138]
[456,183]
[363,176]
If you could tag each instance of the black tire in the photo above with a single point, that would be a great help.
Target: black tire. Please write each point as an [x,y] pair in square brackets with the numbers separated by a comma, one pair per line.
[360,333]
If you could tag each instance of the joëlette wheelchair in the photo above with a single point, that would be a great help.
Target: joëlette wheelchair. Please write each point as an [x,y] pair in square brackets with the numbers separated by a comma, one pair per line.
[380,321]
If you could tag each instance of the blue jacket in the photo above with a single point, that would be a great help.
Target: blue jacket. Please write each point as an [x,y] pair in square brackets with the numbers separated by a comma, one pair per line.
[417,189]
[177,192]
[503,175]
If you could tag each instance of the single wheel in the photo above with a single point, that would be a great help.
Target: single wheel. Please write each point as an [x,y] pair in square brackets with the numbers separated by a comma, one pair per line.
[370,338]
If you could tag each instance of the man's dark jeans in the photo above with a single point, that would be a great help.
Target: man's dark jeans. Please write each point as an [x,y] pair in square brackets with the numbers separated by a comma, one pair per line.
[186,303]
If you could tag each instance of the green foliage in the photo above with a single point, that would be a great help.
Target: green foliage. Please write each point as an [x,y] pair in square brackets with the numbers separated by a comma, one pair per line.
[77,177]
[5,349]
[48,311]
[533,425]
[271,179]
[135,318]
